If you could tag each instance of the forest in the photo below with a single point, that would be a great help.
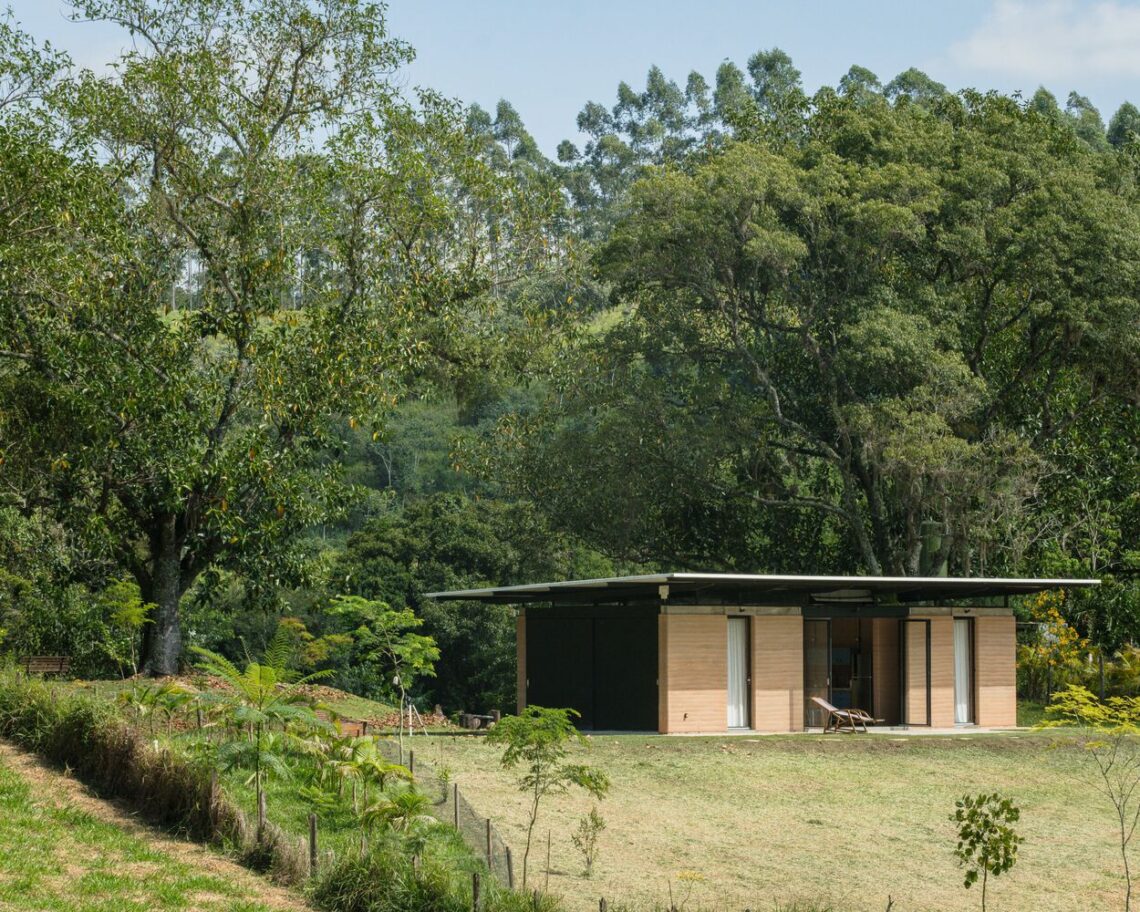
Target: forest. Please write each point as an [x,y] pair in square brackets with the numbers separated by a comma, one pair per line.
[275,329]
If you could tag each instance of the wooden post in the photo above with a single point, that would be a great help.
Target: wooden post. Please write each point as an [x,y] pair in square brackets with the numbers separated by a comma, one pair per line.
[490,853]
[364,727]
[198,712]
[475,891]
[416,864]
[535,899]
[510,869]
[262,816]
[496,715]
[455,802]
[602,904]
[312,845]
[546,886]
[412,762]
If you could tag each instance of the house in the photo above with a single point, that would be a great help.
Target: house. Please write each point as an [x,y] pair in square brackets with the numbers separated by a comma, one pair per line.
[715,652]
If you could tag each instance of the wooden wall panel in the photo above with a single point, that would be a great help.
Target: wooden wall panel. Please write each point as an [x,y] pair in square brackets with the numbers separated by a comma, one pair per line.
[777,673]
[885,670]
[942,672]
[916,676]
[520,658]
[695,663]
[995,666]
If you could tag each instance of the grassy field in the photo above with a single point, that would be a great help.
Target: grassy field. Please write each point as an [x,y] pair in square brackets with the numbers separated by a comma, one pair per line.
[64,850]
[743,822]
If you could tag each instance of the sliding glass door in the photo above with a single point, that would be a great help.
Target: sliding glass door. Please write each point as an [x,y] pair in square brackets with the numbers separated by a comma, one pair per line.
[817,671]
[963,671]
[738,673]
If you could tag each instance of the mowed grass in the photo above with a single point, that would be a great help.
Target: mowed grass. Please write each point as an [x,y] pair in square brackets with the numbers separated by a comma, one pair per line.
[54,856]
[837,821]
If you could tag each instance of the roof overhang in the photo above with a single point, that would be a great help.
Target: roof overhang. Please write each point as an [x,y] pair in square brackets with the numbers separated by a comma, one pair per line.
[756,589]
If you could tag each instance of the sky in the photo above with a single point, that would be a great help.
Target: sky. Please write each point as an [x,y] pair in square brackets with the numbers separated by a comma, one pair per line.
[549,57]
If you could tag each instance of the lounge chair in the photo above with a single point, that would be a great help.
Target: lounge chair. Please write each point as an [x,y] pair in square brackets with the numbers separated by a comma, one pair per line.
[850,720]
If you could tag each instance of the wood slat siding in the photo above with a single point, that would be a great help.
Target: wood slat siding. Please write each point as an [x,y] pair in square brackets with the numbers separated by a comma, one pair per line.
[777,673]
[941,671]
[693,659]
[915,675]
[885,669]
[520,653]
[995,666]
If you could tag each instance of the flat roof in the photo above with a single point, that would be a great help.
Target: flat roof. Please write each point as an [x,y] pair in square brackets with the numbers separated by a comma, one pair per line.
[748,588]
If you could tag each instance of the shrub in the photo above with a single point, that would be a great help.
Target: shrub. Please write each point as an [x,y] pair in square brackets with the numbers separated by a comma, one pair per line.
[166,788]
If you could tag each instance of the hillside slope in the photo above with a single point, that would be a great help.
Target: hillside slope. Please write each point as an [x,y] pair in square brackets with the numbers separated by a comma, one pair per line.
[66,850]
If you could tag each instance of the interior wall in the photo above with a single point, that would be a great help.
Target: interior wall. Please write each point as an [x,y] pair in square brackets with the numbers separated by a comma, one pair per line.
[777,673]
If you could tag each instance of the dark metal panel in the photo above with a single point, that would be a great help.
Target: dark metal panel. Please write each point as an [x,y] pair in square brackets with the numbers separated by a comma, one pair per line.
[560,664]
[625,673]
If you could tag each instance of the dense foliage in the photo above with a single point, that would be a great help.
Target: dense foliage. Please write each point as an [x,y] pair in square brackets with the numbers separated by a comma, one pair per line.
[272,333]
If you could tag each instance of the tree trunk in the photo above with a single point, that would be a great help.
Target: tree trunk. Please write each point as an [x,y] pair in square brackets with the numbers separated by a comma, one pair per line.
[163,638]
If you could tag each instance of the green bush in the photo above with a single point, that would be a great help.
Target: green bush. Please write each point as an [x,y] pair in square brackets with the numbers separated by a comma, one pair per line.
[386,879]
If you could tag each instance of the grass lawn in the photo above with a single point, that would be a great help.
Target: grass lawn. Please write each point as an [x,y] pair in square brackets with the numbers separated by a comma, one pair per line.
[745,822]
[63,850]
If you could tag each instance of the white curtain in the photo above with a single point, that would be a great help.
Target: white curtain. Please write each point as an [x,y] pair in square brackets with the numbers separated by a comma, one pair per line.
[962,663]
[738,672]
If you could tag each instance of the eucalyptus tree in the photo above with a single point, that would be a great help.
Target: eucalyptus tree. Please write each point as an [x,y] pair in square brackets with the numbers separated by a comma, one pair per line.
[883,326]
[336,233]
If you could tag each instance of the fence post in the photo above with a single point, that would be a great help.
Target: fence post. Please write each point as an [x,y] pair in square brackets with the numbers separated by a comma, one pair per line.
[198,713]
[602,904]
[510,869]
[455,802]
[262,816]
[536,900]
[546,886]
[364,728]
[490,853]
[475,891]
[312,845]
[412,762]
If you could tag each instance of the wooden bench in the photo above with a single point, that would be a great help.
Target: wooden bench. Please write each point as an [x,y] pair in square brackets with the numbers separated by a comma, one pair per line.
[45,665]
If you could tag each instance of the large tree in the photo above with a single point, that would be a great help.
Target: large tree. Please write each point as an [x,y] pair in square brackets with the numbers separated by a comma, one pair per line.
[885,323]
[231,250]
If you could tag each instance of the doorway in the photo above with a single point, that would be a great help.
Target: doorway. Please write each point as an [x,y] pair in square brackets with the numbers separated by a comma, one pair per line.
[739,674]
[963,671]
[817,670]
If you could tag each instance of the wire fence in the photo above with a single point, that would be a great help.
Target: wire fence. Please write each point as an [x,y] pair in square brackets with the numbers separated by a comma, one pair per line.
[451,806]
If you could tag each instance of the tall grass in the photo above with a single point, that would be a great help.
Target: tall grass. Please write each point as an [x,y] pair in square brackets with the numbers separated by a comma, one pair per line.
[167,788]
[387,879]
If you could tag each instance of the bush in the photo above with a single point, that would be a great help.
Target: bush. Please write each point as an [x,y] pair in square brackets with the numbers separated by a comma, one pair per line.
[385,879]
[167,789]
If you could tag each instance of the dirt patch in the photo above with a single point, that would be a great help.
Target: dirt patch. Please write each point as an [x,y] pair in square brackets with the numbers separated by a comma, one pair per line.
[54,787]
